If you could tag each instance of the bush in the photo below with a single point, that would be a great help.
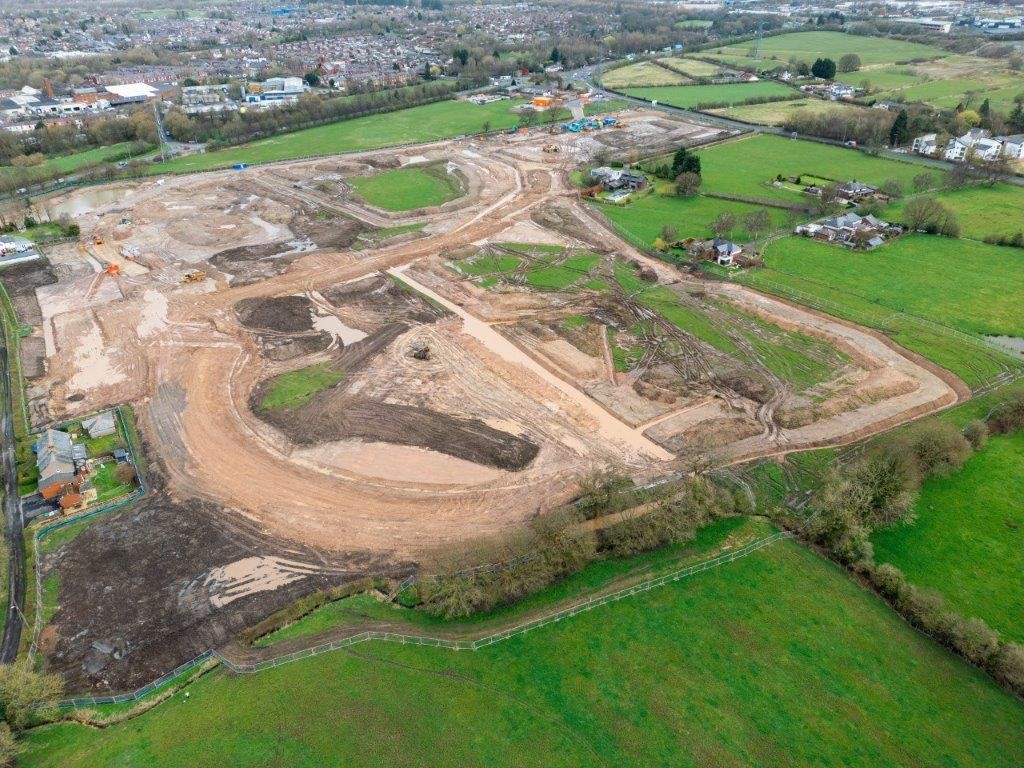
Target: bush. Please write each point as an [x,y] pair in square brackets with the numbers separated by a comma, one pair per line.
[936,447]
[976,433]
[975,640]
[889,581]
[1008,416]
[1008,667]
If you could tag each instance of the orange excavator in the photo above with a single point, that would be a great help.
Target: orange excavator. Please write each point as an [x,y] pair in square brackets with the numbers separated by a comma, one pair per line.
[112,270]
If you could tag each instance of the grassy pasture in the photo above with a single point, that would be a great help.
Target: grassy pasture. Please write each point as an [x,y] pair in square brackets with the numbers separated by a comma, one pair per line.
[968,539]
[642,219]
[641,73]
[981,211]
[809,46]
[776,659]
[689,96]
[745,167]
[692,67]
[948,282]
[777,112]
[408,188]
[74,161]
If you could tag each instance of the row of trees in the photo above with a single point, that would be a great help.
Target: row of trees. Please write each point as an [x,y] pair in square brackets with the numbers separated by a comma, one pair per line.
[880,489]
[492,572]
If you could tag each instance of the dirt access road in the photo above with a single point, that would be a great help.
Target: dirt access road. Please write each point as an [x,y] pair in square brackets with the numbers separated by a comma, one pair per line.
[192,367]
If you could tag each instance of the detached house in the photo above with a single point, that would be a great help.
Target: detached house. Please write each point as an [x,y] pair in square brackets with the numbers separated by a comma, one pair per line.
[926,145]
[54,458]
[612,179]
[850,230]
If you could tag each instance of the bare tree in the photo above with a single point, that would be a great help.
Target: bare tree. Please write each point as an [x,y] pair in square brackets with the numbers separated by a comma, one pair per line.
[724,224]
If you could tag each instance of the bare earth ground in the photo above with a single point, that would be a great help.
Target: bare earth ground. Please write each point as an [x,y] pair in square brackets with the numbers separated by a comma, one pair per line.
[316,494]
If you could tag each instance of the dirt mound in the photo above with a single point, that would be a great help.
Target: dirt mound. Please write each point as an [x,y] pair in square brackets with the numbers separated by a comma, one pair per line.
[143,590]
[327,229]
[283,314]
[337,417]
[248,264]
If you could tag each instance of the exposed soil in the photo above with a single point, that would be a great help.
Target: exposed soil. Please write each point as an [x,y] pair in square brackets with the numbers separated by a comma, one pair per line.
[248,264]
[283,314]
[148,588]
[335,416]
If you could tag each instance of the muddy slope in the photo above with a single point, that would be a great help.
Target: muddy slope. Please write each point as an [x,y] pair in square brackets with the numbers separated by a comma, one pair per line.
[139,594]
[337,417]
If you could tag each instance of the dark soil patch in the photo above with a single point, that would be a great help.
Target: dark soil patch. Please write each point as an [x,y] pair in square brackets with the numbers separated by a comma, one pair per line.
[248,264]
[327,229]
[283,314]
[382,296]
[334,416]
[134,600]
[21,281]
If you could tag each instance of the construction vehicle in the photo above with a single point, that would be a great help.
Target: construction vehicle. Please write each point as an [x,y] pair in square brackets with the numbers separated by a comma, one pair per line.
[111,270]
[551,148]
[97,240]
[194,276]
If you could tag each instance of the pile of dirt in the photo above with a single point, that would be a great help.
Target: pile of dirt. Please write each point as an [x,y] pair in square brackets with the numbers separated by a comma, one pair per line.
[142,590]
[249,264]
[329,230]
[380,296]
[335,416]
[281,314]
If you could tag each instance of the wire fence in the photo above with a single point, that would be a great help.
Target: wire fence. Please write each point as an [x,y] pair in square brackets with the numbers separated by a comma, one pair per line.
[45,530]
[428,641]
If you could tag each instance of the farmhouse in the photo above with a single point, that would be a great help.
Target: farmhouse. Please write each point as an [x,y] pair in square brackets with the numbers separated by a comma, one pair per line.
[612,179]
[54,458]
[850,230]
[925,145]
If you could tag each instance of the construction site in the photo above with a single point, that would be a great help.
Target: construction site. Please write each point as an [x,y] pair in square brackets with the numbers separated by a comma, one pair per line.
[329,388]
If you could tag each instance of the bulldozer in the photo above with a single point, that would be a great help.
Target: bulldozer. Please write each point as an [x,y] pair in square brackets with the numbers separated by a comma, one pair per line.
[194,276]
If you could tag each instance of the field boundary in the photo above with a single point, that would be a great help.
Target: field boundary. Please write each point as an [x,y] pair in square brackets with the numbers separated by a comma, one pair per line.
[433,641]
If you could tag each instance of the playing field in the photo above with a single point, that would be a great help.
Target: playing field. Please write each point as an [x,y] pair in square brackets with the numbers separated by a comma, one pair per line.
[641,73]
[981,211]
[777,659]
[690,96]
[968,539]
[405,189]
[913,288]
[809,46]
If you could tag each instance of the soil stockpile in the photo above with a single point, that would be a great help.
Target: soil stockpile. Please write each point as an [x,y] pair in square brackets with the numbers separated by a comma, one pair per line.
[333,416]
[283,314]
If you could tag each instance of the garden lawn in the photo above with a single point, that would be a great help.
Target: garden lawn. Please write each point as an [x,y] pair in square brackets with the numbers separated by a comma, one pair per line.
[642,219]
[777,659]
[808,46]
[408,188]
[981,211]
[747,166]
[294,388]
[690,96]
[968,540]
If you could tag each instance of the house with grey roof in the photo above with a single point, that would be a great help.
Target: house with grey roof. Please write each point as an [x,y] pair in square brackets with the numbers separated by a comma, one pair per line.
[55,458]
[100,425]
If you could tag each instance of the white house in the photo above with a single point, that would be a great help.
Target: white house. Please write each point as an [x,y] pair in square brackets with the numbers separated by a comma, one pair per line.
[925,145]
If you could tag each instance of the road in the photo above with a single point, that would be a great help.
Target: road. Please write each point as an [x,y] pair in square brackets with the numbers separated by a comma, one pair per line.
[12,515]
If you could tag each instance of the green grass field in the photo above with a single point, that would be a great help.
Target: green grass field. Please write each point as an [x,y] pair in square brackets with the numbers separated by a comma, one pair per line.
[981,211]
[808,46]
[777,112]
[777,659]
[405,189]
[747,166]
[913,277]
[968,540]
[294,388]
[640,74]
[542,267]
[690,96]
[642,219]
[692,67]
[68,163]
[430,122]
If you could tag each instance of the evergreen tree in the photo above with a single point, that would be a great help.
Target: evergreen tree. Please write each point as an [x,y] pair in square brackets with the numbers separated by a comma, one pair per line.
[685,161]
[899,134]
[824,69]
